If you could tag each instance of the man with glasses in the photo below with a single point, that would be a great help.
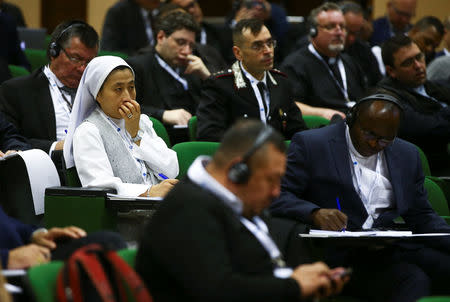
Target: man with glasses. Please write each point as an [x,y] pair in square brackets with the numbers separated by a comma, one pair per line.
[39,104]
[358,175]
[396,21]
[250,89]
[427,111]
[326,81]
[168,78]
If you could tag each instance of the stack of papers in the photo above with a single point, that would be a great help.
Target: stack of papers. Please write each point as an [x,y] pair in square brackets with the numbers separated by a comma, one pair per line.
[331,234]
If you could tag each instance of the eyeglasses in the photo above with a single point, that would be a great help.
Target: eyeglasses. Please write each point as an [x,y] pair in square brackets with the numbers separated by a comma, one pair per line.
[183,43]
[259,46]
[370,136]
[333,27]
[75,60]
[420,57]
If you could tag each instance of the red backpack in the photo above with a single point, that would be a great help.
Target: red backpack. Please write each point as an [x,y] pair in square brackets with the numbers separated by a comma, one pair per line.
[93,273]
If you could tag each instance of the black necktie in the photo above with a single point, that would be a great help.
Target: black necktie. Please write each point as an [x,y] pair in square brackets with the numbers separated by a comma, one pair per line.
[333,64]
[262,89]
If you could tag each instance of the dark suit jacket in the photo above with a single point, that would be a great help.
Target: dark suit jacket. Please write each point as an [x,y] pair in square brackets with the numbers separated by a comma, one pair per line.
[124,28]
[222,103]
[27,103]
[9,137]
[13,234]
[314,85]
[382,31]
[318,171]
[157,90]
[196,249]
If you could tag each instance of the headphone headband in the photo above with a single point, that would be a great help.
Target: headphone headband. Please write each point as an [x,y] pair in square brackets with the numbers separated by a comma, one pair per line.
[55,47]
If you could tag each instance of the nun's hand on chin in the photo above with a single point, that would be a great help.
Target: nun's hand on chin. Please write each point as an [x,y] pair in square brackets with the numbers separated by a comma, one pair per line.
[131,113]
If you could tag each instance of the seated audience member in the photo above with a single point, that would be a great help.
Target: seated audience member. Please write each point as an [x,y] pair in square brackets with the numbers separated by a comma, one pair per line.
[438,70]
[10,140]
[272,14]
[358,175]
[129,25]
[446,38]
[396,21]
[355,47]
[326,81]
[216,216]
[427,111]
[39,104]
[250,89]
[168,79]
[14,11]
[114,146]
[22,245]
[10,50]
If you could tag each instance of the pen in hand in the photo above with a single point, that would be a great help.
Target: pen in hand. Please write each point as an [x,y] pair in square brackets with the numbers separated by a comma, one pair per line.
[339,208]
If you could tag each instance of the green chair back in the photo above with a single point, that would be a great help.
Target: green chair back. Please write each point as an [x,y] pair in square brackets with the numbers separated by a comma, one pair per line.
[192,125]
[436,198]
[112,53]
[435,299]
[424,161]
[18,71]
[313,121]
[43,277]
[48,38]
[187,152]
[161,131]
[72,178]
[36,57]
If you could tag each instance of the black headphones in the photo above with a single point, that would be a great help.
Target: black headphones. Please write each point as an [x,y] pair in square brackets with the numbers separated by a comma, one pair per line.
[313,29]
[352,113]
[55,47]
[240,172]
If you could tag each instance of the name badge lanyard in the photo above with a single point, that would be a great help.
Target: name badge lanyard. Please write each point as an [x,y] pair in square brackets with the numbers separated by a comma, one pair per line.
[358,174]
[61,97]
[343,87]
[259,229]
[172,72]
[127,139]
[262,112]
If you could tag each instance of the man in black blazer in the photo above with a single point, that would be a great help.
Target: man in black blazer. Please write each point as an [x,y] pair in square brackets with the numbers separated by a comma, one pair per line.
[168,78]
[209,240]
[250,89]
[129,25]
[39,104]
[10,139]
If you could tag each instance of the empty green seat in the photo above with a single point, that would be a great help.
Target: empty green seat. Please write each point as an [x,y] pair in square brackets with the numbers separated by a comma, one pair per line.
[187,152]
[161,131]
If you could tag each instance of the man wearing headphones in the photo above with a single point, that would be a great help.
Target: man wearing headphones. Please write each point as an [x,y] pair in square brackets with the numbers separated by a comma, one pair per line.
[39,104]
[209,240]
[326,82]
[358,175]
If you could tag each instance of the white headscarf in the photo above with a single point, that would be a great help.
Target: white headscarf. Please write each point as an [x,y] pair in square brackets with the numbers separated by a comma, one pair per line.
[92,80]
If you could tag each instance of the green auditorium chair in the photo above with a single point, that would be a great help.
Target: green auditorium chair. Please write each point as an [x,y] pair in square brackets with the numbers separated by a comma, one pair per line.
[18,71]
[435,299]
[161,131]
[41,279]
[36,57]
[192,126]
[313,121]
[437,199]
[187,152]
[112,53]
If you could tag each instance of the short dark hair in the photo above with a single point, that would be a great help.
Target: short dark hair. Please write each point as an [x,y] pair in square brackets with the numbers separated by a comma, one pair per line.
[391,46]
[255,26]
[241,137]
[429,21]
[67,30]
[327,6]
[390,106]
[350,7]
[176,20]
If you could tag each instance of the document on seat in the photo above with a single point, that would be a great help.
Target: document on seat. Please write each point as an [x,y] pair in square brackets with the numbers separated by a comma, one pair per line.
[365,234]
[124,197]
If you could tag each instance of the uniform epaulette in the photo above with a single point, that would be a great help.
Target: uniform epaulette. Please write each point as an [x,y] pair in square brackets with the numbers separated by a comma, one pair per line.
[223,73]
[279,72]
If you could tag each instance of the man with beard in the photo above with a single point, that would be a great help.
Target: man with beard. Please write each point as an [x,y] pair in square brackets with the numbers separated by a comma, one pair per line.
[250,89]
[326,82]
[427,111]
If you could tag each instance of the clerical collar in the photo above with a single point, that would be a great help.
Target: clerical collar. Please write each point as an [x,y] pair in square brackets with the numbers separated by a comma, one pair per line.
[329,60]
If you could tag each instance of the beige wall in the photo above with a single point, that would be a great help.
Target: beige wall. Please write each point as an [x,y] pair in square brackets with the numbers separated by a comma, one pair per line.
[438,8]
[31,10]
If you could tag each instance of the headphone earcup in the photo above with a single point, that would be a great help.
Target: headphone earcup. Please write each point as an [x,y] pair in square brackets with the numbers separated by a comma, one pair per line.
[313,31]
[239,173]
[54,50]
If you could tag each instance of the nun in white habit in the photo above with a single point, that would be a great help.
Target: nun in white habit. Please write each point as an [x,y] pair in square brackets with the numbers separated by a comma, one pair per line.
[109,141]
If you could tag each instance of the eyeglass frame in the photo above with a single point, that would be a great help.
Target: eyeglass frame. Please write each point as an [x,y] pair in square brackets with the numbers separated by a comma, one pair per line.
[420,57]
[74,60]
[403,14]
[259,46]
[328,27]
[370,136]
[181,42]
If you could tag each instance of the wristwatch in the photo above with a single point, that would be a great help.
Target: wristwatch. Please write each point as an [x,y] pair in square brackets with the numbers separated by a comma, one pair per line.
[138,136]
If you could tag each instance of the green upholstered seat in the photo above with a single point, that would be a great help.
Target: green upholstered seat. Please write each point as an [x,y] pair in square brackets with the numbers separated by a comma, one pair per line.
[313,121]
[36,57]
[187,152]
[192,126]
[18,71]
[161,130]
